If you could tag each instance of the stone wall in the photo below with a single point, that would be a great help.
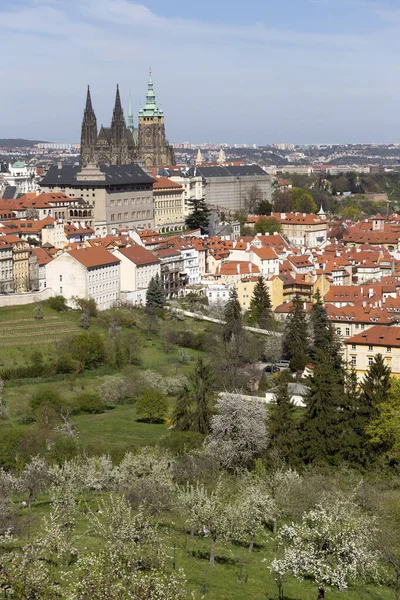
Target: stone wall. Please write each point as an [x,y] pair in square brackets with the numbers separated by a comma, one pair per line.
[27,298]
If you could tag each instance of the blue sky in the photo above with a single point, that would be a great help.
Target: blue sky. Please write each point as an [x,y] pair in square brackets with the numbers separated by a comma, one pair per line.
[257,71]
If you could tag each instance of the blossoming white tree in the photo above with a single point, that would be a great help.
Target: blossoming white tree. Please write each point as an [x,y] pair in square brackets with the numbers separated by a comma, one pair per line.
[332,544]
[35,477]
[238,431]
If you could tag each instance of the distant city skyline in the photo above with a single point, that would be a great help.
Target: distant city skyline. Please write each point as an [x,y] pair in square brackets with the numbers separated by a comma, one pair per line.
[258,71]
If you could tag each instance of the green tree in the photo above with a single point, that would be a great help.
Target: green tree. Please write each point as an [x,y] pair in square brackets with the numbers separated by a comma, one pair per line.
[88,349]
[199,216]
[268,225]
[351,213]
[295,338]
[155,295]
[183,411]
[375,387]
[325,339]
[260,304]
[152,406]
[86,305]
[233,326]
[384,429]
[320,428]
[264,208]
[303,201]
[353,442]
[57,303]
[202,393]
[282,427]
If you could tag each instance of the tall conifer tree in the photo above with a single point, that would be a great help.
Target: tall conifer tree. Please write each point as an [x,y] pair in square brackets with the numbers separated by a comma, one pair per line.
[233,317]
[295,339]
[260,305]
[282,426]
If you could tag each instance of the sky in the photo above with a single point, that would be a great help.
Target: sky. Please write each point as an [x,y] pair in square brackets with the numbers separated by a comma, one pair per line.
[254,71]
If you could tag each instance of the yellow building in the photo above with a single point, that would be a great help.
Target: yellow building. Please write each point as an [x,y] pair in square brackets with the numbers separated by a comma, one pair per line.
[245,290]
[168,205]
[20,264]
[361,349]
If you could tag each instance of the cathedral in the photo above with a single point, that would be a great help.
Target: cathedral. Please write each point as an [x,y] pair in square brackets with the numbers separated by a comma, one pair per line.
[122,144]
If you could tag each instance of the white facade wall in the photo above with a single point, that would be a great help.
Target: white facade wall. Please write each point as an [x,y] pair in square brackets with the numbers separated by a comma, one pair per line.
[191,265]
[54,235]
[66,276]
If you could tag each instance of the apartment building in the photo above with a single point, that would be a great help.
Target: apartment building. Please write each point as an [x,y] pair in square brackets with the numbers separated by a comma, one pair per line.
[90,272]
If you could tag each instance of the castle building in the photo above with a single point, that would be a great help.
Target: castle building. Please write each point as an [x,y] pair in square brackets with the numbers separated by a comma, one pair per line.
[122,144]
[153,147]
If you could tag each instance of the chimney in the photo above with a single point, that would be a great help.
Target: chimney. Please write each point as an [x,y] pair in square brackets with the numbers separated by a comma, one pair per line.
[283,215]
[238,268]
[59,165]
[251,267]
[304,305]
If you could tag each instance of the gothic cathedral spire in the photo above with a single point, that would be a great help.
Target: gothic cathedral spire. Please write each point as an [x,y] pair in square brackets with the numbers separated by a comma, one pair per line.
[118,126]
[88,132]
[131,126]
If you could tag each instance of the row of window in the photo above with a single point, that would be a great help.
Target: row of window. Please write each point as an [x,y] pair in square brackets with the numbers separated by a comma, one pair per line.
[370,360]
[140,214]
[127,201]
[371,348]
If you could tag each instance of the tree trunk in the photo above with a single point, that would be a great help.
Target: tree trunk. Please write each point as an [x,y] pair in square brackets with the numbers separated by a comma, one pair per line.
[251,545]
[275,527]
[192,531]
[30,498]
[321,593]
[212,554]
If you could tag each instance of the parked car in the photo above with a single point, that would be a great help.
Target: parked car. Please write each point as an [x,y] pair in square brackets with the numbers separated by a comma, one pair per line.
[283,364]
[271,369]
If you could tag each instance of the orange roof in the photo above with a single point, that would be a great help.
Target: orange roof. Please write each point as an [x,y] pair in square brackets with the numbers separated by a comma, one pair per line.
[237,267]
[265,253]
[378,335]
[139,255]
[43,257]
[94,257]
[164,183]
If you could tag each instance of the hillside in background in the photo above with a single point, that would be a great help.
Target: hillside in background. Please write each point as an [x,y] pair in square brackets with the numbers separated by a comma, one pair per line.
[18,143]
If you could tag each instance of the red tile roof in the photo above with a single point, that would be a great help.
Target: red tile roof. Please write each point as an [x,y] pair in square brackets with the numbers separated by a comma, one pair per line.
[377,335]
[94,257]
[139,255]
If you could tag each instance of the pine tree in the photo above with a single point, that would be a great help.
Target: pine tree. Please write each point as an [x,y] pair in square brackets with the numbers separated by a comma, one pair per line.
[282,426]
[320,429]
[295,339]
[353,442]
[200,215]
[233,326]
[375,387]
[325,339]
[260,305]
[155,296]
[183,411]
[203,396]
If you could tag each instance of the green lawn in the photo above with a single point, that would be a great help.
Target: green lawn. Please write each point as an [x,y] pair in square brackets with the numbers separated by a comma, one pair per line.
[117,427]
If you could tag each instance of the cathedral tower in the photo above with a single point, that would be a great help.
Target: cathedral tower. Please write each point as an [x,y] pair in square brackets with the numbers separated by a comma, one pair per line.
[153,148]
[89,132]
[119,137]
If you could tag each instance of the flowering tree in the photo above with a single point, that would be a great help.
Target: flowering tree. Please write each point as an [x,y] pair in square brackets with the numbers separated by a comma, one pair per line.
[238,431]
[331,545]
[35,477]
[116,573]
[253,509]
[208,512]
[59,528]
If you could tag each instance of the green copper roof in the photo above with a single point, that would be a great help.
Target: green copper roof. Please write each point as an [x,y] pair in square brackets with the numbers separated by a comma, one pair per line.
[130,115]
[18,165]
[150,109]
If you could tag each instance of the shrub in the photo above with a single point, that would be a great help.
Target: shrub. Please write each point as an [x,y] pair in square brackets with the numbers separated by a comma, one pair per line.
[182,442]
[90,403]
[88,348]
[57,303]
[152,406]
[88,306]
[48,398]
